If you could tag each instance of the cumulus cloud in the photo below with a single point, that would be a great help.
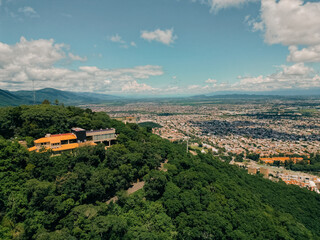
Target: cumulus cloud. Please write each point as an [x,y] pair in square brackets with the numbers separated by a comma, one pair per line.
[211,81]
[133,86]
[28,12]
[163,36]
[298,69]
[290,77]
[42,53]
[296,76]
[37,60]
[308,54]
[291,23]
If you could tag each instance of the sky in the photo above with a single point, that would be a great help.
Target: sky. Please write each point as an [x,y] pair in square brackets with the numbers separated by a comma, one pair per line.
[160,47]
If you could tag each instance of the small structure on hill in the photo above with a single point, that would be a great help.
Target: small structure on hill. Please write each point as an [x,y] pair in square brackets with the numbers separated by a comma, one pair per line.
[77,138]
[127,119]
[264,172]
[252,170]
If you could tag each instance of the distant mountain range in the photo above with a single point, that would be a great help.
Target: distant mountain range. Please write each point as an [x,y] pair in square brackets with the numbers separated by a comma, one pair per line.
[289,92]
[15,98]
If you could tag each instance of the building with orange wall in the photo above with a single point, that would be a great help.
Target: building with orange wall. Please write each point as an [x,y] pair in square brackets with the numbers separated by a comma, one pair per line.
[58,143]
[70,141]
[281,159]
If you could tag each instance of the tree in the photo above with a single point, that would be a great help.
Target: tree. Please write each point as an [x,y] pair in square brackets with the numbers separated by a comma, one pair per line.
[46,101]
[155,184]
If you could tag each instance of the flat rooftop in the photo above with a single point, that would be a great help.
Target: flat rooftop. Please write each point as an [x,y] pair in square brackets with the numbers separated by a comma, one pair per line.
[100,130]
[60,134]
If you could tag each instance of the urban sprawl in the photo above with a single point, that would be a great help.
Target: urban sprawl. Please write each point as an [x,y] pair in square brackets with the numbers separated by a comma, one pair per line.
[267,130]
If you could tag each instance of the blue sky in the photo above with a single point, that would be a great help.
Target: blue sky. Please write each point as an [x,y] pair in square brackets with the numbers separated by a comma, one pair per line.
[160,47]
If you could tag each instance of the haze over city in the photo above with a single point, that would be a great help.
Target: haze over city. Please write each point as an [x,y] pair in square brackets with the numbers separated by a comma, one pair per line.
[160,48]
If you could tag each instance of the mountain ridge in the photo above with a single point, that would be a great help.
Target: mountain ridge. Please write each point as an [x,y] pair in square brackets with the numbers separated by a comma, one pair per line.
[15,98]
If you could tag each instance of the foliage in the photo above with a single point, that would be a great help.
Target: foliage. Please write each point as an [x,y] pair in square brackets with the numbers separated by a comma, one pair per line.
[150,125]
[199,197]
[314,165]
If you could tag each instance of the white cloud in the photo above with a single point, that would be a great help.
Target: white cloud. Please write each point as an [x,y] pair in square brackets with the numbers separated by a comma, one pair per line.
[298,69]
[133,86]
[308,54]
[216,5]
[77,58]
[116,38]
[38,59]
[291,23]
[28,12]
[191,87]
[297,76]
[42,52]
[164,36]
[254,24]
[211,80]
[123,44]
[291,77]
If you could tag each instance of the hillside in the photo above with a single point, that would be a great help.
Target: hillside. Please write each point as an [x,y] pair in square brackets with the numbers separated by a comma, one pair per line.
[199,197]
[68,98]
[16,98]
[9,99]
[150,125]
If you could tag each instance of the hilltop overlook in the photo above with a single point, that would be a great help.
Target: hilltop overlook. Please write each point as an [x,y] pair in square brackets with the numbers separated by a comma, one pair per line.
[64,196]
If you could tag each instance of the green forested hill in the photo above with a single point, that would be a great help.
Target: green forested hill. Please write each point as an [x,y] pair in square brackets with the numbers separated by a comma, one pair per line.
[9,99]
[150,125]
[68,98]
[199,197]
[15,98]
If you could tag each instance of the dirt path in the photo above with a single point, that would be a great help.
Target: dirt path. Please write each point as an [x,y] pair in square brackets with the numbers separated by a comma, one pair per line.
[162,166]
[193,152]
[137,185]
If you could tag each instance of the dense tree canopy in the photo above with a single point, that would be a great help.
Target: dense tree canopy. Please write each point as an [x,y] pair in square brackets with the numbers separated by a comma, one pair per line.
[199,197]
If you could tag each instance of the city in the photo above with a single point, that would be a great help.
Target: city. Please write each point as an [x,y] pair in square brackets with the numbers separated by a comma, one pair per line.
[252,128]
[165,120]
